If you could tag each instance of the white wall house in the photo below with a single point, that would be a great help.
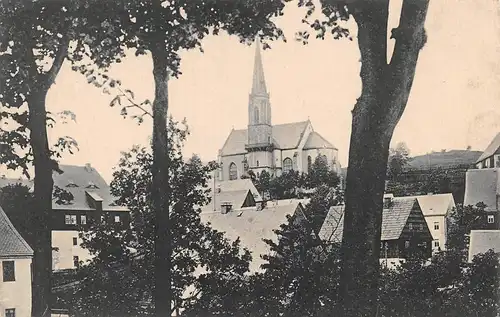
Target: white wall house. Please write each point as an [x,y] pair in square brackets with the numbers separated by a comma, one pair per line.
[15,261]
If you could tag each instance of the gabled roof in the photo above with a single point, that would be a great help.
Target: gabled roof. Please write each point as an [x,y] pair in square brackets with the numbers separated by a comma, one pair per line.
[80,181]
[251,226]
[285,136]
[316,141]
[236,198]
[393,220]
[491,149]
[483,240]
[482,185]
[239,184]
[11,242]
[436,204]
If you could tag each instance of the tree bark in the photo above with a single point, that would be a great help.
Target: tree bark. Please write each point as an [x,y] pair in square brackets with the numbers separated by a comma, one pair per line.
[162,293]
[42,262]
[385,91]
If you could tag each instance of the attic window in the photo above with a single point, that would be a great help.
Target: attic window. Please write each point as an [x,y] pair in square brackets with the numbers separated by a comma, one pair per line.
[71,184]
[92,185]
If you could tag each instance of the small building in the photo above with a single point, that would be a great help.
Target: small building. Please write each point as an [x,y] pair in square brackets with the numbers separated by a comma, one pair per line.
[483,240]
[491,156]
[436,209]
[482,186]
[16,262]
[404,229]
[252,225]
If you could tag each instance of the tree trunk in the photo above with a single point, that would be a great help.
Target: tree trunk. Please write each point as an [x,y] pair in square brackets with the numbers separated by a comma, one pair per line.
[385,91]
[42,262]
[162,293]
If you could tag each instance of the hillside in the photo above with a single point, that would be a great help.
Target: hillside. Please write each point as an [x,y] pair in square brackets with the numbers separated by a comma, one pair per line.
[443,159]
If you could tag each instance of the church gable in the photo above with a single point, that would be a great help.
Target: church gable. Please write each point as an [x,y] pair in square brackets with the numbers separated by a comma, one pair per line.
[235,143]
[316,141]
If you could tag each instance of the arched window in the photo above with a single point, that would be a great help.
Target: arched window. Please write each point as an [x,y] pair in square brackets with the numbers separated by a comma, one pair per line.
[256,115]
[287,165]
[233,172]
[309,163]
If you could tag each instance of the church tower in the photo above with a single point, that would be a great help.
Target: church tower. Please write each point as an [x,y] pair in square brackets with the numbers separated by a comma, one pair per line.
[260,138]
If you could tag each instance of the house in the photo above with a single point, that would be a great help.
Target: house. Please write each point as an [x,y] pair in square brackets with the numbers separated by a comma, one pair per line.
[252,225]
[404,229]
[436,209]
[491,156]
[483,240]
[16,261]
[482,186]
[275,148]
[91,201]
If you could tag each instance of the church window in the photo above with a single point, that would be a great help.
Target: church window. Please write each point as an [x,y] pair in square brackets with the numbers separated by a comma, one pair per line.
[256,115]
[309,163]
[287,165]
[233,172]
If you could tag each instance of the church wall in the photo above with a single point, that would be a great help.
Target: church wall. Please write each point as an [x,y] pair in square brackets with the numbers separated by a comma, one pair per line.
[331,154]
[227,160]
[265,159]
[297,160]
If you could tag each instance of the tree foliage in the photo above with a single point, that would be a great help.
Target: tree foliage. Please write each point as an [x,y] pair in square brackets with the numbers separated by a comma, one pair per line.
[398,160]
[201,256]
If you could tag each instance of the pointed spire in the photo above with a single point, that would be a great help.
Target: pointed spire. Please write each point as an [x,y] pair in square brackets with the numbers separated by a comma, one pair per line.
[259,82]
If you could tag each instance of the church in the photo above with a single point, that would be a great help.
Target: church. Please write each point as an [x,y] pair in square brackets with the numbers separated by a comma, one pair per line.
[273,148]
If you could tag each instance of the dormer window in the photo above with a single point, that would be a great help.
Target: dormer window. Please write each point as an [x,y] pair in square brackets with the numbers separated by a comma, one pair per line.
[92,185]
[71,184]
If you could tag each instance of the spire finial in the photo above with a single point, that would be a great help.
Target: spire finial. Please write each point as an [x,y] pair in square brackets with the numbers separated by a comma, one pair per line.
[259,82]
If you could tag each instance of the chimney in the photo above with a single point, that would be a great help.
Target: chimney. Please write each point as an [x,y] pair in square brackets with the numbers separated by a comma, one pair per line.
[226,207]
[88,167]
[388,198]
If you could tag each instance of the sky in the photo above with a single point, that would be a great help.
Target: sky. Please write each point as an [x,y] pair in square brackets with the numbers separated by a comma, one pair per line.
[454,101]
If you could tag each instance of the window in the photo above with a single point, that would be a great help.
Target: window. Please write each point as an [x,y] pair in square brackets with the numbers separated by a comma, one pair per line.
[309,163]
[436,244]
[76,261]
[258,163]
[421,227]
[407,244]
[75,241]
[9,271]
[287,165]
[436,226]
[83,219]
[491,219]
[117,218]
[103,220]
[10,312]
[70,219]
[233,172]
[256,115]
[410,226]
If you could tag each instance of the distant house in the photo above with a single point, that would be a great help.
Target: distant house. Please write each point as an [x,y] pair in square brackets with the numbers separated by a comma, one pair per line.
[92,201]
[436,209]
[483,186]
[16,257]
[404,229]
[252,225]
[483,240]
[491,156]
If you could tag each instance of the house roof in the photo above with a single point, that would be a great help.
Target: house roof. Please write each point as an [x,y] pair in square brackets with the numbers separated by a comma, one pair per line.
[235,198]
[482,185]
[285,136]
[11,242]
[393,220]
[80,181]
[251,226]
[483,240]
[436,204]
[491,149]
[239,184]
[316,141]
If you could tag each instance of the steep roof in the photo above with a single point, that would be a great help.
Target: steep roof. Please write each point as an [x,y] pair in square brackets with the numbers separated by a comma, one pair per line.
[285,136]
[80,181]
[11,242]
[436,204]
[236,198]
[393,220]
[316,141]
[239,184]
[483,240]
[482,185]
[491,149]
[251,226]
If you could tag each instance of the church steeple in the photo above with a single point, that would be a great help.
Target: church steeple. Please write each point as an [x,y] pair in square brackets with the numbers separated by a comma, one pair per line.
[259,82]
